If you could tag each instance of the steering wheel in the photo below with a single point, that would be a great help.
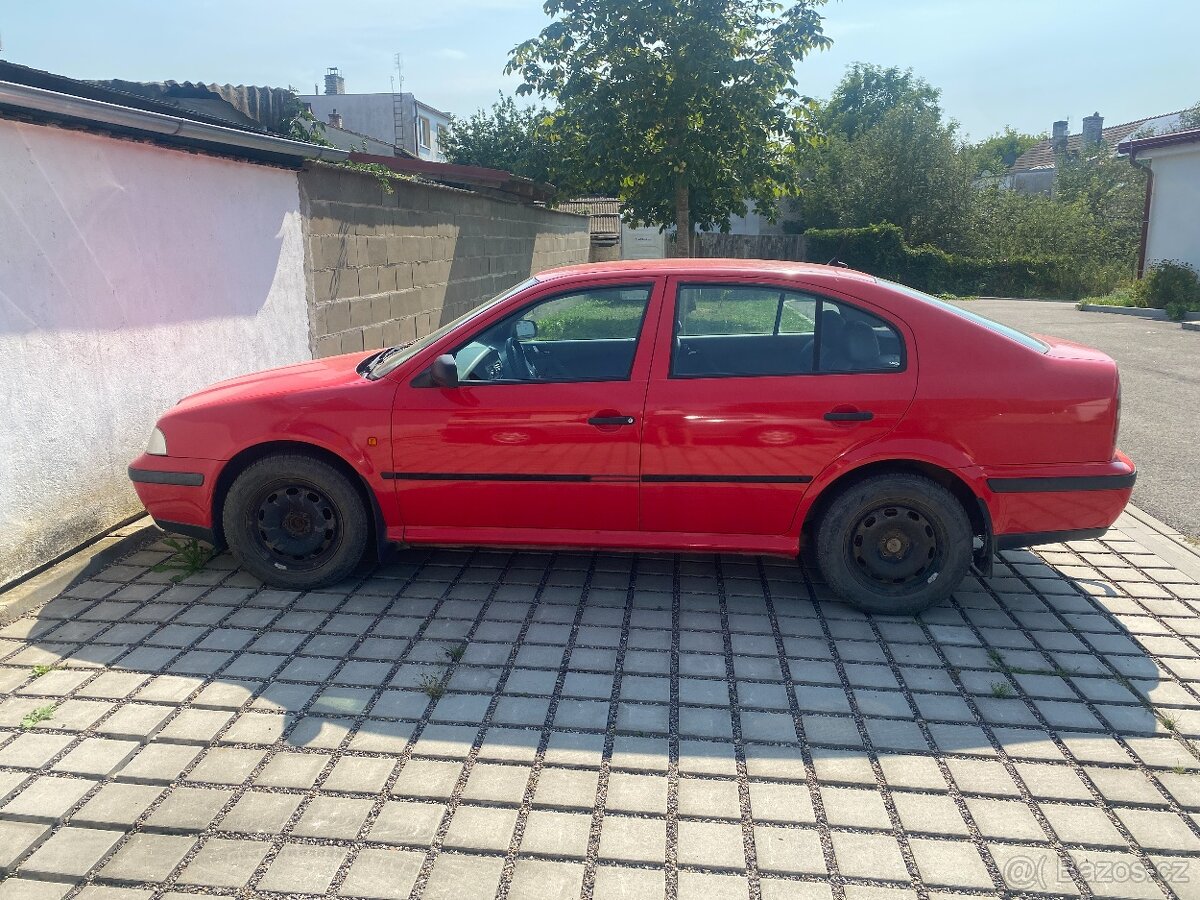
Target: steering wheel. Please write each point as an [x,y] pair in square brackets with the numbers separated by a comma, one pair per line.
[517,362]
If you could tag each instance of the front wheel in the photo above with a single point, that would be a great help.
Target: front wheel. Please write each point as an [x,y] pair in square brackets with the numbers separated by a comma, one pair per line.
[894,544]
[295,522]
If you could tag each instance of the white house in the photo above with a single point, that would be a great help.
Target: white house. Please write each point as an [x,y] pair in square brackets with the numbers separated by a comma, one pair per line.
[399,119]
[1171,227]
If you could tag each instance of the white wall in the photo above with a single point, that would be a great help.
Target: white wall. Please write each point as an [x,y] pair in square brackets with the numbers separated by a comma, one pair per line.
[130,275]
[1174,231]
[370,114]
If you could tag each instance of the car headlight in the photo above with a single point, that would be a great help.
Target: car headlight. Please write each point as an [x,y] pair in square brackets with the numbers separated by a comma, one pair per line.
[157,445]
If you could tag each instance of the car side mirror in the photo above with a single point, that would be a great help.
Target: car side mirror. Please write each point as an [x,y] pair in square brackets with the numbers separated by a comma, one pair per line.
[444,371]
[526,329]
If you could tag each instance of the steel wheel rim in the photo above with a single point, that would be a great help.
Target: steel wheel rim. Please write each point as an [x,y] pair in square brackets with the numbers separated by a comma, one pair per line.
[895,546]
[296,525]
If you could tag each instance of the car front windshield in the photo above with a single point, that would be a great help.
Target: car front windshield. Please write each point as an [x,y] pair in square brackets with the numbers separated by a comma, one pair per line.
[1019,336]
[389,359]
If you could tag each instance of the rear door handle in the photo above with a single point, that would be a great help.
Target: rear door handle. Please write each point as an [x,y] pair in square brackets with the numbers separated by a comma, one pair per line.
[610,420]
[856,416]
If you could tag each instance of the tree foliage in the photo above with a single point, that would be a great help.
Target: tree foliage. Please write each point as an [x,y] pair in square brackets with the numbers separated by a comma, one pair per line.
[508,137]
[687,104]
[1190,118]
[886,157]
[996,154]
[867,93]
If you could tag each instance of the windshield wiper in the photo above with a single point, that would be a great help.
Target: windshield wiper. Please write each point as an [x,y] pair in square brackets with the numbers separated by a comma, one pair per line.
[384,354]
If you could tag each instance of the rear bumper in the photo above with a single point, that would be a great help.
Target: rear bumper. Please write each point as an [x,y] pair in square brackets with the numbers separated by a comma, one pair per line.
[177,491]
[1058,503]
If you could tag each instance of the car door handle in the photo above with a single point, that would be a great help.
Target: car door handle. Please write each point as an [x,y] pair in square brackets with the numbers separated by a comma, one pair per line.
[849,416]
[601,421]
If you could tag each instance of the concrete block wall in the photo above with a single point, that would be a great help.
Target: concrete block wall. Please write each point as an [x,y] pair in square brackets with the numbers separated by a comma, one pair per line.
[386,267]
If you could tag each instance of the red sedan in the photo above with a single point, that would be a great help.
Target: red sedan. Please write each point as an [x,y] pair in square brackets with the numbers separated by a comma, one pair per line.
[701,405]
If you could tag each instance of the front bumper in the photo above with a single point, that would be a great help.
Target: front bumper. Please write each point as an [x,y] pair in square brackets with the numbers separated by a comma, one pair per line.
[177,491]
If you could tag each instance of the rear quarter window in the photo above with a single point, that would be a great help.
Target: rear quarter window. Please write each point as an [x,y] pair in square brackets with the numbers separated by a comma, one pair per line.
[1011,333]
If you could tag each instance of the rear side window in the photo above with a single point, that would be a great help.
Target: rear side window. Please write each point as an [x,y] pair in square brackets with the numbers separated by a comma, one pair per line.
[743,330]
[1011,333]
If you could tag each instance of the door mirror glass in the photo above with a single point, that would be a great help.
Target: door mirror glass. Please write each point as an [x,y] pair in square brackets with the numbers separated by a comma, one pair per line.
[444,371]
[526,330]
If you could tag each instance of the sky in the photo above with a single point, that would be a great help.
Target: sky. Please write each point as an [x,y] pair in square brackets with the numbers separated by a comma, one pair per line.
[1023,63]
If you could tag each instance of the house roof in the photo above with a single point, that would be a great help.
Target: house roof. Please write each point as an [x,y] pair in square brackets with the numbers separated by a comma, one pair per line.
[47,99]
[604,214]
[470,177]
[1041,155]
[1135,146]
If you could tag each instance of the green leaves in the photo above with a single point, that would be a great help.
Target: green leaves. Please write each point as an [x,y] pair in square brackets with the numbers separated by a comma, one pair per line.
[656,94]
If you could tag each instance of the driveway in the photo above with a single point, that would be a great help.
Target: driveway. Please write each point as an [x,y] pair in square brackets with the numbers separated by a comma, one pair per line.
[464,724]
[1160,381]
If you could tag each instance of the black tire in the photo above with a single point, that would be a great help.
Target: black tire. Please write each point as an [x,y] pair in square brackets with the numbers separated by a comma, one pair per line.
[295,522]
[894,544]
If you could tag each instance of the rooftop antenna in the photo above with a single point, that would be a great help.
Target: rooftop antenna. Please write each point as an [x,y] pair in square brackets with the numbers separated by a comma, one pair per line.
[398,61]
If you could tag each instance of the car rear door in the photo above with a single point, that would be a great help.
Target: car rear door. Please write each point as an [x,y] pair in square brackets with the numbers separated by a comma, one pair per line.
[756,387]
[552,448]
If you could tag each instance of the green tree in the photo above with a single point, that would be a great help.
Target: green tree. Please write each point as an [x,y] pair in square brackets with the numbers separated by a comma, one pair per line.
[886,155]
[1190,118]
[505,137]
[866,94]
[687,104]
[996,154]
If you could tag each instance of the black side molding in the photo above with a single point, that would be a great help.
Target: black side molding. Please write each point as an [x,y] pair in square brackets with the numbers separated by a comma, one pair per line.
[478,476]
[727,479]
[1033,538]
[1069,483]
[152,476]
[198,532]
[659,479]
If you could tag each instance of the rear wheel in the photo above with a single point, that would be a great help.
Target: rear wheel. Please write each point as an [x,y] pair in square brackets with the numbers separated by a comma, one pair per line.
[894,544]
[295,522]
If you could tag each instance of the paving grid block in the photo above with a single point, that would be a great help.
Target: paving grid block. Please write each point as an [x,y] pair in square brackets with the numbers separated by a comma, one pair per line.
[819,702]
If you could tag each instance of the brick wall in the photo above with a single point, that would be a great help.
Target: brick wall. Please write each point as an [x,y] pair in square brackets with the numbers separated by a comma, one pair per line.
[384,267]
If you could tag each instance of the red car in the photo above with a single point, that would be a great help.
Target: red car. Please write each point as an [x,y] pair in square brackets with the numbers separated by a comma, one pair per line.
[692,405]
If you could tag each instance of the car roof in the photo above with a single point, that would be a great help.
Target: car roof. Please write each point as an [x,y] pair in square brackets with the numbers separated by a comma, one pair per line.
[701,267]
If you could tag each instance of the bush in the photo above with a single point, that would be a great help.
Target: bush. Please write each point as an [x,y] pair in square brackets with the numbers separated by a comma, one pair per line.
[882,251]
[1170,285]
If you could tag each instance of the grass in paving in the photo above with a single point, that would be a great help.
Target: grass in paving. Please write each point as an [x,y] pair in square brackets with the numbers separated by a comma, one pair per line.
[190,557]
[433,686]
[41,714]
[42,669]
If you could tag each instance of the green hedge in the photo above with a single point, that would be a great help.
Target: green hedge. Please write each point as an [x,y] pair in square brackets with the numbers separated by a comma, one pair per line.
[882,251]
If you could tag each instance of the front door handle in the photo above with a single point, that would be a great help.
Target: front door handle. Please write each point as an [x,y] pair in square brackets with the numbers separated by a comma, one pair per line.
[601,421]
[849,416]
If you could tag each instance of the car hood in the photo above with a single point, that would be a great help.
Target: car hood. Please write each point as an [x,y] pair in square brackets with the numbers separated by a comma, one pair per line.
[320,373]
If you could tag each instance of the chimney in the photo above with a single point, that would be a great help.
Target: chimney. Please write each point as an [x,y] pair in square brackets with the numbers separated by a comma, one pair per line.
[334,82]
[335,119]
[1093,128]
[1058,139]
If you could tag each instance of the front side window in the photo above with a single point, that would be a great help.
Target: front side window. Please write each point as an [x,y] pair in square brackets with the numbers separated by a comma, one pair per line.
[742,330]
[423,131]
[587,335]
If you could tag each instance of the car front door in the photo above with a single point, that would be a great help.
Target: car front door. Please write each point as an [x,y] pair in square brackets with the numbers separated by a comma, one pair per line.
[755,388]
[543,430]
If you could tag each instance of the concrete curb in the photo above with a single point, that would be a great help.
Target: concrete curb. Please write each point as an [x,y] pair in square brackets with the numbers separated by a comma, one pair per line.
[1190,320]
[1160,538]
[1137,311]
[84,563]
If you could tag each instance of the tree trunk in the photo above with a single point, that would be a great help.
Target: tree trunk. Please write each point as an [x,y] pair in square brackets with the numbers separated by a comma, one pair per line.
[683,216]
